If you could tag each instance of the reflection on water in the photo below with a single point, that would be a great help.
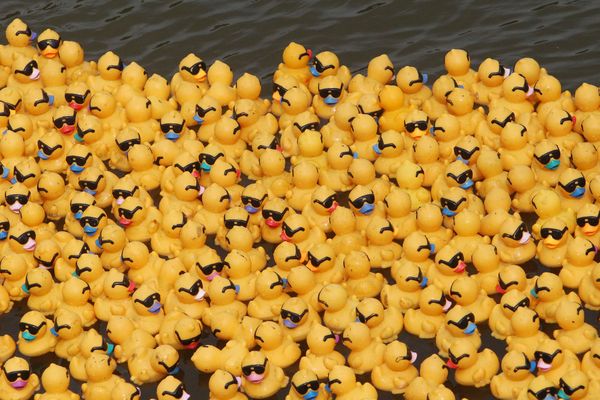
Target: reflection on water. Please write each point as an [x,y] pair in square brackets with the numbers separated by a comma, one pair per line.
[250,35]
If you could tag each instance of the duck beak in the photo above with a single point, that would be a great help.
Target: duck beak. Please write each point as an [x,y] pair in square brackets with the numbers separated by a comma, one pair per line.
[590,230]
[551,243]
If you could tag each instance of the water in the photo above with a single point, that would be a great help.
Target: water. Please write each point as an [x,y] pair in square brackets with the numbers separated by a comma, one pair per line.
[250,35]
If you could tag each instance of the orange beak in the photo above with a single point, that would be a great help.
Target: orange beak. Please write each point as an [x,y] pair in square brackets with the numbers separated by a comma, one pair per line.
[49,52]
[589,230]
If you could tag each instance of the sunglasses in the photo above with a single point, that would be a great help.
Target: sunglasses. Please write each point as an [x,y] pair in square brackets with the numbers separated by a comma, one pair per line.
[91,221]
[28,70]
[256,203]
[463,177]
[125,145]
[327,203]
[554,233]
[24,237]
[546,157]
[292,316]
[313,126]
[574,184]
[454,261]
[124,193]
[274,215]
[128,213]
[592,220]
[511,118]
[450,204]
[258,369]
[195,69]
[76,98]
[333,92]
[411,126]
[210,268]
[78,159]
[12,376]
[362,200]
[320,67]
[177,128]
[149,301]
[463,323]
[305,387]
[517,234]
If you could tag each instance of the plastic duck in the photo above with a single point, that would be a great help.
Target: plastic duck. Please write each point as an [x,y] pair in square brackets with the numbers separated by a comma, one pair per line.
[365,352]
[360,281]
[165,241]
[555,239]
[472,368]
[517,374]
[127,338]
[149,313]
[381,249]
[547,204]
[125,390]
[246,113]
[116,296]
[321,356]
[210,359]
[273,212]
[426,154]
[515,148]
[304,180]
[206,113]
[548,290]
[187,296]
[25,74]
[589,289]
[526,334]
[467,239]
[301,281]
[179,331]
[516,92]
[326,64]
[554,361]
[343,384]
[574,334]
[17,380]
[13,269]
[330,91]
[133,78]
[459,327]
[325,265]
[185,195]
[100,378]
[572,189]
[435,106]
[340,308]
[486,261]
[397,371]
[459,103]
[35,337]
[549,162]
[19,37]
[513,242]
[241,238]
[296,229]
[429,220]
[410,177]
[296,318]
[223,299]
[294,102]
[223,385]
[579,262]
[343,225]
[466,292]
[44,294]
[384,323]
[310,148]
[295,59]
[364,206]
[490,76]
[75,297]
[286,256]
[390,152]
[261,379]
[584,157]
[227,175]
[56,381]
[559,125]
[248,87]
[408,273]
[425,320]
[433,373]
[577,385]
[69,331]
[139,222]
[220,79]
[306,386]
[281,350]
[51,152]
[541,388]
[591,360]
[458,65]
[522,180]
[362,173]
[144,172]
[22,124]
[412,82]
[397,209]
[449,266]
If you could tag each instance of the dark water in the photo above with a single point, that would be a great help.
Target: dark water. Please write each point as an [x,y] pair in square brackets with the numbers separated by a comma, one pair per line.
[250,36]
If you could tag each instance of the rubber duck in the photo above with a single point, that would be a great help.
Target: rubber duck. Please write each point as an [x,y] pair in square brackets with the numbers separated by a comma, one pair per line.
[325,265]
[526,334]
[397,371]
[335,176]
[433,373]
[390,150]
[577,385]
[343,225]
[22,124]
[273,213]
[112,116]
[249,159]
[12,148]
[466,226]
[246,113]
[321,356]
[286,256]
[459,326]
[412,83]
[397,209]
[127,338]
[429,221]
[472,368]
[209,358]
[35,337]
[380,72]
[589,365]
[207,265]
[16,197]
[133,80]
[124,140]
[589,287]
[54,194]
[458,66]
[559,128]
[184,197]
[554,361]
[56,381]
[261,379]
[549,94]
[427,316]
[343,385]
[88,268]
[6,303]
[72,56]
[205,113]
[51,152]
[69,331]
[19,37]
[360,282]
[456,174]
[296,229]
[124,391]
[295,59]
[555,239]
[405,293]
[362,173]
[294,102]
[449,266]
[516,92]
[578,262]
[426,154]
[381,249]
[223,299]
[242,239]
[139,222]
[101,380]
[515,148]
[227,175]
[310,148]
[570,319]
[275,177]
[466,292]
[584,157]
[304,180]
[486,261]
[13,269]
[572,189]
[306,386]
[220,80]
[179,331]
[323,65]
[540,387]
[410,177]
[165,241]
[522,181]
[300,123]
[384,323]
[17,381]
[75,297]
[550,162]
[493,176]
[339,307]
[586,100]
[172,128]
[223,385]
[54,80]
[25,74]
[281,350]
[248,87]
[44,294]
[460,103]
[548,204]
[365,352]
[110,67]
[301,280]
[549,292]
[513,242]
[116,296]
[78,158]
[490,76]
[435,106]
[296,318]
[364,206]
[148,312]
[187,296]
[517,374]
[71,252]
[143,170]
